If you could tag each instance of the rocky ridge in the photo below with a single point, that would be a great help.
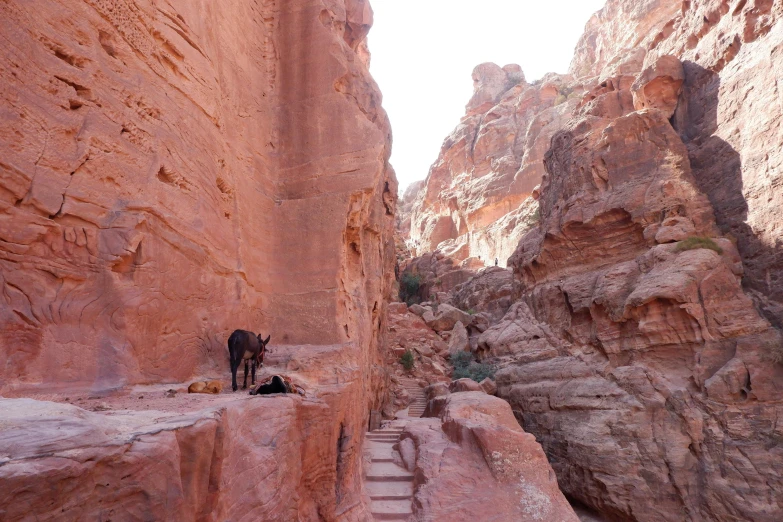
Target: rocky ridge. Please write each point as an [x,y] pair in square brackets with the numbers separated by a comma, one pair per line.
[638,339]
[479,197]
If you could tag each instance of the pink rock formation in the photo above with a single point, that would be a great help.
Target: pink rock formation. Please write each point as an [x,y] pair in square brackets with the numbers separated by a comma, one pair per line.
[474,462]
[476,201]
[639,344]
[171,171]
[151,202]
[726,117]
[434,273]
[408,331]
[644,350]
[147,454]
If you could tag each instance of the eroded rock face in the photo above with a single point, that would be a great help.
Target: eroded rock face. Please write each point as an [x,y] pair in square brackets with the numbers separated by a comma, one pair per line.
[492,291]
[474,462]
[229,458]
[642,347]
[150,202]
[476,201]
[173,171]
[727,115]
[408,331]
[636,358]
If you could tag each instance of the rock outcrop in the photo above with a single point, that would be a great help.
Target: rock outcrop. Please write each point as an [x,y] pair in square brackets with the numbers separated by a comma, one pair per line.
[474,462]
[729,114]
[476,202]
[636,358]
[642,345]
[171,171]
[159,453]
[151,202]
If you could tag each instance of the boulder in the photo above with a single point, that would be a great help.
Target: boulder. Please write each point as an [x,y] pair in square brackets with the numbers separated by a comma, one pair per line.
[446,317]
[474,462]
[465,385]
[659,85]
[459,341]
[675,229]
[407,450]
[436,390]
[417,309]
[489,386]
[398,308]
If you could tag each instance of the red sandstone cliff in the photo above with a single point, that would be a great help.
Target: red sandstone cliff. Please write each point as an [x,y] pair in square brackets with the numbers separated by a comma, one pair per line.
[476,201]
[644,352]
[173,170]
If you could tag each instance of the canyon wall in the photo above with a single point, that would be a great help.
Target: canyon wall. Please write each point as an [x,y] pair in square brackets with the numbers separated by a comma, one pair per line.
[643,350]
[172,170]
[477,199]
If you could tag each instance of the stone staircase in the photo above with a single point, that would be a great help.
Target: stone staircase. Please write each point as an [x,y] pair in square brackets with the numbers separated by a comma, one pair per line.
[390,486]
[419,402]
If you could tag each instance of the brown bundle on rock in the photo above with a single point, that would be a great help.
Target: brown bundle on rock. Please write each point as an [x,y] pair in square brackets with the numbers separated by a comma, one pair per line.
[213,387]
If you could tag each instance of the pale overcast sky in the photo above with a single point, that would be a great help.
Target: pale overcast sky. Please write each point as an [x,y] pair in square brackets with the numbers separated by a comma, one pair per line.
[423,52]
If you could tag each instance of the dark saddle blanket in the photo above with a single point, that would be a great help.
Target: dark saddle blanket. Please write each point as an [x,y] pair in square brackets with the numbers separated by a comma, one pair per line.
[277,384]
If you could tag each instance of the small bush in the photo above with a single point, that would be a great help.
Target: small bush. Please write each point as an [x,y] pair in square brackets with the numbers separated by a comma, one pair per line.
[777,354]
[536,216]
[561,98]
[475,371]
[409,287]
[695,242]
[466,367]
[407,360]
[461,360]
[471,311]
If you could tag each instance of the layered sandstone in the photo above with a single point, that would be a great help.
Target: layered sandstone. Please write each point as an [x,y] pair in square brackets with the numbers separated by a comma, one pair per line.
[643,348]
[635,357]
[476,201]
[472,461]
[729,115]
[152,202]
[171,171]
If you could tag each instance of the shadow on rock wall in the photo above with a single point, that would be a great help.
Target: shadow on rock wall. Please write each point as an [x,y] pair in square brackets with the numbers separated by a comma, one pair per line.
[718,170]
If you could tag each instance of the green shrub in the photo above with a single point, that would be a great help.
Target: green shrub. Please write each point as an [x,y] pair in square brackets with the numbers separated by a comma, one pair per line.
[536,216]
[777,354]
[407,360]
[461,360]
[466,367]
[695,242]
[471,311]
[409,287]
[561,98]
[476,371]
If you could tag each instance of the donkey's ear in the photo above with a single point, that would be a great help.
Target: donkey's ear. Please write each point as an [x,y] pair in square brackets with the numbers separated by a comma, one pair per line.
[267,339]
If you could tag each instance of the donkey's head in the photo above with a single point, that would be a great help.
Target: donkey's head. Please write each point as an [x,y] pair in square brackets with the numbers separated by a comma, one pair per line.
[262,342]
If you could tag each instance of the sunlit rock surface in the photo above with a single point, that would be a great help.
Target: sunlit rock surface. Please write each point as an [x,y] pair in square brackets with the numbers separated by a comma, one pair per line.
[474,462]
[171,171]
[643,349]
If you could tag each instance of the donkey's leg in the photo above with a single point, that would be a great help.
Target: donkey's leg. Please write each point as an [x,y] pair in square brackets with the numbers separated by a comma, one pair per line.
[253,365]
[244,384]
[234,368]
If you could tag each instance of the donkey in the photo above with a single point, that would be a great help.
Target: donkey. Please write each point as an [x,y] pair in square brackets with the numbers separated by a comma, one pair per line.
[245,346]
